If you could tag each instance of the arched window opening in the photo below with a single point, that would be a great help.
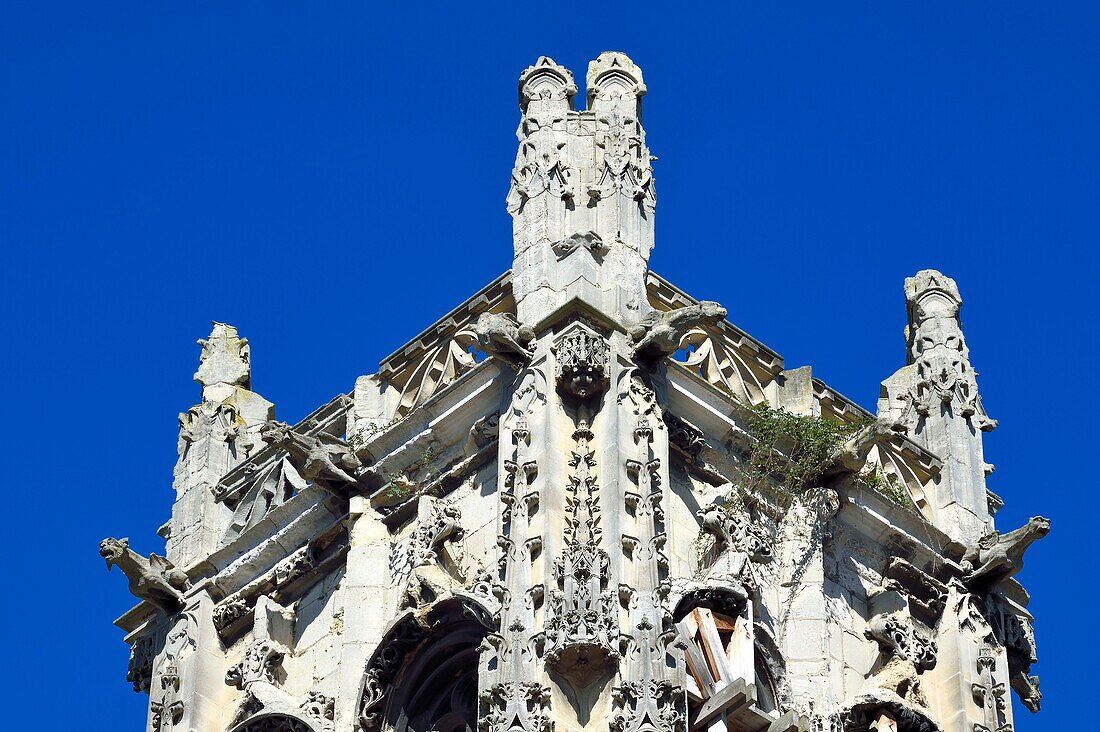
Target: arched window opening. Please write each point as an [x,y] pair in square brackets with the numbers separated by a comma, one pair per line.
[423,677]
[731,671]
[437,689]
[274,723]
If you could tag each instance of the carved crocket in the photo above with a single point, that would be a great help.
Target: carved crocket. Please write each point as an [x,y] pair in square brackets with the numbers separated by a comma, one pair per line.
[660,334]
[501,336]
[996,557]
[154,579]
[320,458]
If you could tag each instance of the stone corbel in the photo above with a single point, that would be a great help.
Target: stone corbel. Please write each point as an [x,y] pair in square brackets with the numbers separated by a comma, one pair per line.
[258,673]
[904,653]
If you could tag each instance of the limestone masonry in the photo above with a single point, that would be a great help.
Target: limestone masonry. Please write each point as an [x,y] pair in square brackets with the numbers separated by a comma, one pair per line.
[583,500]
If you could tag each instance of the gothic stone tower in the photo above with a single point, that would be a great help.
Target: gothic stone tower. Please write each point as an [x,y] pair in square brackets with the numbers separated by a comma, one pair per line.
[583,501]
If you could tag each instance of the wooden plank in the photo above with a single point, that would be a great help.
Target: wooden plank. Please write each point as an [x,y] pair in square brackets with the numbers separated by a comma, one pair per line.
[728,698]
[713,647]
[696,663]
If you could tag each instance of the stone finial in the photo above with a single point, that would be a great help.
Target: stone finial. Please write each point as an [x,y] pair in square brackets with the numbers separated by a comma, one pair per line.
[548,81]
[225,358]
[614,80]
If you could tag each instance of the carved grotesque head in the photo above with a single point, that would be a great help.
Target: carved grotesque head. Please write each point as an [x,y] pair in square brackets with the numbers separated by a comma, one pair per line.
[1039,526]
[712,311]
[274,432]
[113,550]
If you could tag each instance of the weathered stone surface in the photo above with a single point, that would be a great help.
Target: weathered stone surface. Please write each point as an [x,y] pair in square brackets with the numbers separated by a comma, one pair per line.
[585,501]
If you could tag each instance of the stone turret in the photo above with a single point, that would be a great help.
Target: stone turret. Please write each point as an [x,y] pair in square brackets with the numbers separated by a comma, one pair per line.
[934,400]
[215,436]
[582,196]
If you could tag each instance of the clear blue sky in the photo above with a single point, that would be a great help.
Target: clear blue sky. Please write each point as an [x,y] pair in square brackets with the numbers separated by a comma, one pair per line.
[331,179]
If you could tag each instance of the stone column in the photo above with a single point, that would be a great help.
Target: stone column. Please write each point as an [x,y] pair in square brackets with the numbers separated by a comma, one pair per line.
[934,399]
[215,436]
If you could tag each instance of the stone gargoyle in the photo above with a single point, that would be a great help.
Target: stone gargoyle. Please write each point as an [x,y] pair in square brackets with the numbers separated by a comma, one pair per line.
[851,455]
[321,458]
[501,336]
[660,334]
[997,556]
[153,579]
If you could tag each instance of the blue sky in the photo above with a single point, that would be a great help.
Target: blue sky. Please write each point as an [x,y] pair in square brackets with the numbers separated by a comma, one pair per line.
[330,178]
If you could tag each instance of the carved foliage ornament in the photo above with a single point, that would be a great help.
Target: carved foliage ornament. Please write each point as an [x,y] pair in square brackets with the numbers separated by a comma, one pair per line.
[582,362]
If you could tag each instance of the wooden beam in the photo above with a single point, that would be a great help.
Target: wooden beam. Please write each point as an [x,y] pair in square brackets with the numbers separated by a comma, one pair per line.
[729,698]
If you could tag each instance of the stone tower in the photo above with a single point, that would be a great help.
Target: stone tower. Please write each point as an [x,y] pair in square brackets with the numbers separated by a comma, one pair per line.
[583,501]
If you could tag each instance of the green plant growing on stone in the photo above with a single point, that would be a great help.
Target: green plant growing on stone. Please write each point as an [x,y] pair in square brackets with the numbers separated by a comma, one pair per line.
[791,451]
[888,486]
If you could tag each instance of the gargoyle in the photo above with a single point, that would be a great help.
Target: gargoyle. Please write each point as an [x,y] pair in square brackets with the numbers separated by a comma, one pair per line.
[660,334]
[1027,688]
[321,458]
[851,456]
[153,579]
[501,335]
[996,557]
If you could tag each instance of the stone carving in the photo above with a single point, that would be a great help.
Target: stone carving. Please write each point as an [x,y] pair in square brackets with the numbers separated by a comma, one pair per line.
[904,655]
[998,556]
[546,94]
[581,628]
[153,579]
[851,456]
[321,458]
[685,436]
[425,565]
[501,335]
[614,87]
[582,363]
[275,723]
[273,486]
[989,695]
[383,666]
[516,706]
[923,591]
[588,240]
[225,358]
[319,707]
[569,594]
[649,703]
[140,669]
[219,420]
[735,530]
[255,675]
[661,334]
[936,346]
[229,610]
[165,705]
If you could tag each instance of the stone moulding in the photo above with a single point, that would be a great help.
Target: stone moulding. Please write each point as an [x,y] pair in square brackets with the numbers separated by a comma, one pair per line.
[283,582]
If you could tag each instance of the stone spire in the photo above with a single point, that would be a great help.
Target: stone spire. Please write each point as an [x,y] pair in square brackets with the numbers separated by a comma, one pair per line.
[935,400]
[582,195]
